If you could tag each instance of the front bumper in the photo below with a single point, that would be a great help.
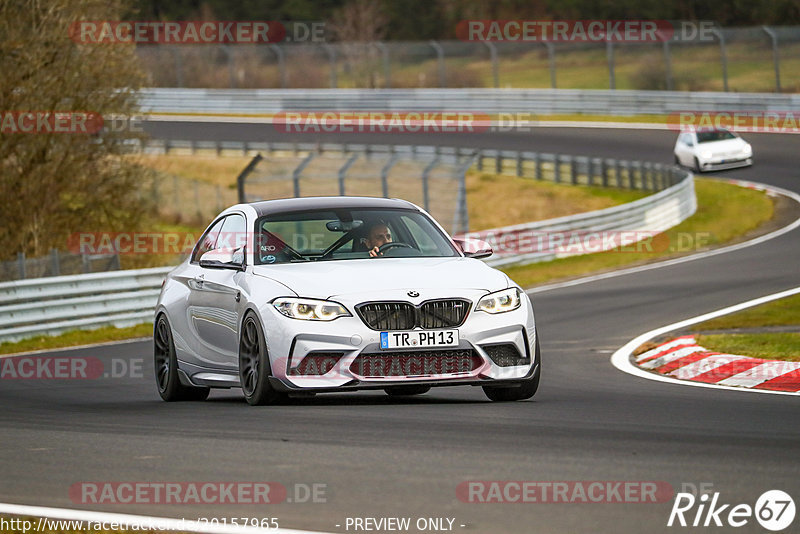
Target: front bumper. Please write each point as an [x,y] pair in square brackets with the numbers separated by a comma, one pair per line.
[722,163]
[290,341]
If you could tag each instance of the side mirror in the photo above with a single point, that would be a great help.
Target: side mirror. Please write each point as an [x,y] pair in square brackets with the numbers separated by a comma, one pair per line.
[474,248]
[224,258]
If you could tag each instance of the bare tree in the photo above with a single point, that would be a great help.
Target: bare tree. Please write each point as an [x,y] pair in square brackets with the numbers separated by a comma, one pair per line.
[53,184]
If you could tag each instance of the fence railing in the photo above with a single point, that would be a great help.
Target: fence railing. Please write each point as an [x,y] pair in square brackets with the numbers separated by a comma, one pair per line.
[57,263]
[488,101]
[698,62]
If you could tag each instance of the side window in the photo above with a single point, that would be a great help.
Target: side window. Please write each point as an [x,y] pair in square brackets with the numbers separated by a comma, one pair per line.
[234,233]
[424,241]
[208,241]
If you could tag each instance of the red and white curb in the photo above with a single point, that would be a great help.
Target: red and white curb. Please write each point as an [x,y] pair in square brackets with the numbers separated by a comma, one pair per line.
[684,359]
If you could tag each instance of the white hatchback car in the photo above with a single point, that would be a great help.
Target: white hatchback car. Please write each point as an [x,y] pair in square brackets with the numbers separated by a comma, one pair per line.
[307,295]
[712,149]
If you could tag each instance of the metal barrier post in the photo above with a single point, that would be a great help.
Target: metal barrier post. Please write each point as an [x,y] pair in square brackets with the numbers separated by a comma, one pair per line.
[425,174]
[573,170]
[775,57]
[538,162]
[343,172]
[332,59]
[385,175]
[21,264]
[387,70]
[440,59]
[551,59]
[243,176]
[667,65]
[723,55]
[612,82]
[557,169]
[281,63]
[297,171]
[493,56]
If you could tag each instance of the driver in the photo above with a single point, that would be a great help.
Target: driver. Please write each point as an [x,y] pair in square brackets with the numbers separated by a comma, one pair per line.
[378,235]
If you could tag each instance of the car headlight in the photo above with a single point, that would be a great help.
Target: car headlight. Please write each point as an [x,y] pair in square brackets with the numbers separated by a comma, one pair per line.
[500,301]
[310,309]
[706,154]
[747,149]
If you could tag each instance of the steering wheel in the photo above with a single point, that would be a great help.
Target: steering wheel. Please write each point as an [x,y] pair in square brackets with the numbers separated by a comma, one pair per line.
[388,246]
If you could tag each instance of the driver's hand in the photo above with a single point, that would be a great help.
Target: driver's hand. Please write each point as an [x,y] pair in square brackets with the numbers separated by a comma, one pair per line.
[374,252]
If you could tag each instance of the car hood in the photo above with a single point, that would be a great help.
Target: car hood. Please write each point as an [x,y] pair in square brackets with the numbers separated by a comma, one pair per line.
[719,147]
[325,279]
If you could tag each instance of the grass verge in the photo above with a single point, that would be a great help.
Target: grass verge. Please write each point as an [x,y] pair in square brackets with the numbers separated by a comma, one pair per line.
[725,212]
[781,312]
[496,200]
[768,345]
[77,337]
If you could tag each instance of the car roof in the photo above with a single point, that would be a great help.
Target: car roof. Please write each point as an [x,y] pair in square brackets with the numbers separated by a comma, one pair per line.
[288,205]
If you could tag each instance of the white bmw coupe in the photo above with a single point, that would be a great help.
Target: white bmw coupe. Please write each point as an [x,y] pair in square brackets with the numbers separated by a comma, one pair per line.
[299,296]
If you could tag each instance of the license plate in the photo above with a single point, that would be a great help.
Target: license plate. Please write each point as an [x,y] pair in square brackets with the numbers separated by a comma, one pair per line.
[419,339]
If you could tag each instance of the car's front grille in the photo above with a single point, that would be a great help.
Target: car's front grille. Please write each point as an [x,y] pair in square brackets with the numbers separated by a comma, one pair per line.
[416,363]
[388,315]
[442,313]
[505,355]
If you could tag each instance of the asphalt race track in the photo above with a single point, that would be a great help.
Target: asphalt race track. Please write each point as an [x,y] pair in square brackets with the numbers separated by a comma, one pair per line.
[381,457]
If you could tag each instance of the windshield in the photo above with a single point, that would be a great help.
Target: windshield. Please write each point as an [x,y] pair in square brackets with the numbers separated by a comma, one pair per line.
[343,234]
[715,135]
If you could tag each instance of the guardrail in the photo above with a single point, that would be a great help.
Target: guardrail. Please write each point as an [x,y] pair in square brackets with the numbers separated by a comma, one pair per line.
[595,231]
[48,306]
[490,101]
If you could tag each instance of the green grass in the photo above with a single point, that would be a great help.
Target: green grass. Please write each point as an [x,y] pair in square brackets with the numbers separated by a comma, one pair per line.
[77,337]
[779,312]
[769,346]
[724,212]
[496,200]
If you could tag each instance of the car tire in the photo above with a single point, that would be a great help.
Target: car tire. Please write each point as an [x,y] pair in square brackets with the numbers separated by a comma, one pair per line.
[406,391]
[254,367]
[677,160]
[697,168]
[525,390]
[166,367]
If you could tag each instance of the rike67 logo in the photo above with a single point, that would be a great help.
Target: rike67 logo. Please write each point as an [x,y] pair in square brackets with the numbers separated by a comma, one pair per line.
[774,510]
